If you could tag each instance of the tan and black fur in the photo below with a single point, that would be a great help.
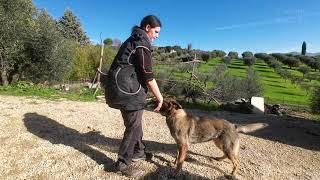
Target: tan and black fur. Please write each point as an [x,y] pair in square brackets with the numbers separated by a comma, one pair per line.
[187,129]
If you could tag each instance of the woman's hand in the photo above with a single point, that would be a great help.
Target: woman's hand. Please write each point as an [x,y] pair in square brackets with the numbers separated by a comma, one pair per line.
[153,86]
[160,101]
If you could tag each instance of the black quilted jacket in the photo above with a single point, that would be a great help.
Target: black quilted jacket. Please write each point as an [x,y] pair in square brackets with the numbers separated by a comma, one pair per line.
[126,83]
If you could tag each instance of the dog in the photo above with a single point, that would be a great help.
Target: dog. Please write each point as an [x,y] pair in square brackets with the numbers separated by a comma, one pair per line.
[187,129]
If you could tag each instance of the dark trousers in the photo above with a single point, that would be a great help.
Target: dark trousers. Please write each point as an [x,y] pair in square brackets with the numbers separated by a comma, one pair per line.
[132,139]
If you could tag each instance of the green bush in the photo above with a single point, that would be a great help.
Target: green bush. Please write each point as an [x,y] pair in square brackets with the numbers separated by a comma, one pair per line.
[249,61]
[233,55]
[228,88]
[247,54]
[304,69]
[205,56]
[226,59]
[251,84]
[315,101]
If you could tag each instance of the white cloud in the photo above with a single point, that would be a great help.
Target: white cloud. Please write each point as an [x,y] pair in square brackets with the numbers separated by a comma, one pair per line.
[293,17]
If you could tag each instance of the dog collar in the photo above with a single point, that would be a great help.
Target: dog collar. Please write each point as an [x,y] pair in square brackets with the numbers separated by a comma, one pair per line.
[173,114]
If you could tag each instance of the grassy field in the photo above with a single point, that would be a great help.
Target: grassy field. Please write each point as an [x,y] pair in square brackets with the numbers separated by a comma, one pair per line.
[279,90]
[275,88]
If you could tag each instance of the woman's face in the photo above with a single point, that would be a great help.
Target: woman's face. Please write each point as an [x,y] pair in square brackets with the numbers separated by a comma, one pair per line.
[153,33]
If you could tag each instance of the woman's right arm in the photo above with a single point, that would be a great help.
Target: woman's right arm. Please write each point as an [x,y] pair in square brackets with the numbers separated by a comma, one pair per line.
[144,60]
[153,86]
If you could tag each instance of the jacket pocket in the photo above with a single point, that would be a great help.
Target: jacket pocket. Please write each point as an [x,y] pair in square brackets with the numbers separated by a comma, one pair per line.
[127,80]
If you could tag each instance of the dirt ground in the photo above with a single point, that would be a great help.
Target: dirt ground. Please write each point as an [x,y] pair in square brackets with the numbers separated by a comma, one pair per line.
[42,139]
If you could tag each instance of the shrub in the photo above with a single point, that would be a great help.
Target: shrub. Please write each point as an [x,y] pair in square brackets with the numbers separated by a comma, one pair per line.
[228,88]
[283,73]
[226,59]
[262,56]
[247,54]
[311,77]
[217,53]
[187,58]
[217,72]
[291,61]
[191,90]
[251,85]
[274,64]
[249,61]
[304,70]
[205,56]
[315,101]
[315,64]
[279,56]
[233,55]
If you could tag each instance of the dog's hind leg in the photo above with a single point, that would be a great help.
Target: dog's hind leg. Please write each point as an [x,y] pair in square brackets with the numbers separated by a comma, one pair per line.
[235,162]
[234,156]
[219,144]
[181,157]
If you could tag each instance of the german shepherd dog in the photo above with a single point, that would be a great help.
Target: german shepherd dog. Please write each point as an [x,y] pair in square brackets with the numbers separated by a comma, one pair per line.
[187,129]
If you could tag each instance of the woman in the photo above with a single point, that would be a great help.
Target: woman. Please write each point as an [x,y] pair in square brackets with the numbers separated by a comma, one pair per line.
[129,78]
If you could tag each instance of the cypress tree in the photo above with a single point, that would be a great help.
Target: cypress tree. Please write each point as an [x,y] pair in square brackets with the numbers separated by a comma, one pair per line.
[304,48]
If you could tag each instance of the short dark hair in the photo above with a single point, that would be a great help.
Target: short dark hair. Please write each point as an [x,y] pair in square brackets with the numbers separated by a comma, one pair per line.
[152,20]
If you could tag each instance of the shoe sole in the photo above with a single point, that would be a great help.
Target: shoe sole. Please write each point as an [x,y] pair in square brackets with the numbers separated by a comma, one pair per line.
[138,159]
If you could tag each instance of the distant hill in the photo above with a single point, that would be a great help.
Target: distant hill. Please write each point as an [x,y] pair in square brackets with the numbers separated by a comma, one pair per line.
[308,54]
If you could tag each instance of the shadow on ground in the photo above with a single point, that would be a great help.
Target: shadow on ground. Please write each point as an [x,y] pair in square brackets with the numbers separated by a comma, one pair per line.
[167,172]
[56,133]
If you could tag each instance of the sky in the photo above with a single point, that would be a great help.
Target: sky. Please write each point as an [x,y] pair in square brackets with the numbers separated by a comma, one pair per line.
[249,25]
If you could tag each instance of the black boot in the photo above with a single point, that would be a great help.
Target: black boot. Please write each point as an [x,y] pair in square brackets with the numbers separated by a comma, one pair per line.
[128,170]
[146,156]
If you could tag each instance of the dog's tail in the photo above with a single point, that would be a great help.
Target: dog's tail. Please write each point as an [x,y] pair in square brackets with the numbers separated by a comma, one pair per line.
[250,127]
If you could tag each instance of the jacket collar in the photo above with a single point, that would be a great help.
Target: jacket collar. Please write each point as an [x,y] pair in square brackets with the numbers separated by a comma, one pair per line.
[139,33]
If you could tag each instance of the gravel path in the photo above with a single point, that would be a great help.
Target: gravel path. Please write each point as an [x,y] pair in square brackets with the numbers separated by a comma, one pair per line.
[42,139]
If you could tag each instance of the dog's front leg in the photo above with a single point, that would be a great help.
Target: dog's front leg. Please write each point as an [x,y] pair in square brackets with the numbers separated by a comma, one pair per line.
[181,157]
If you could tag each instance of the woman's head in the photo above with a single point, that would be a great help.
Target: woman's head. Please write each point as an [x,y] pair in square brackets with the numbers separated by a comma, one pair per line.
[152,25]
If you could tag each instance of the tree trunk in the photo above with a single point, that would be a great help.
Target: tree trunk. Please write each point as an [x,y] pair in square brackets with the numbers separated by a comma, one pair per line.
[4,78]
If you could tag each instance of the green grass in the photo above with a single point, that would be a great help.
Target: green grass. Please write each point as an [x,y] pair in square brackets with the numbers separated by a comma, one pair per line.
[276,89]
[279,90]
[237,68]
[206,67]
[30,90]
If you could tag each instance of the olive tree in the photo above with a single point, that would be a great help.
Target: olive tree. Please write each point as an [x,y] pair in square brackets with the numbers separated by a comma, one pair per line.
[16,19]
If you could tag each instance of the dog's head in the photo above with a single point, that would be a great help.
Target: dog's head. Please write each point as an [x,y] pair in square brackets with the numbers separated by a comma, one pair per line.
[168,106]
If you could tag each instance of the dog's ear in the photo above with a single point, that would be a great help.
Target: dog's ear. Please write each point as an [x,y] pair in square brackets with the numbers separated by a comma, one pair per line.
[176,105]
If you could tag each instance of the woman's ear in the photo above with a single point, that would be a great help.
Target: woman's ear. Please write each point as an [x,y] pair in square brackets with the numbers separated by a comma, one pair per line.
[147,28]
